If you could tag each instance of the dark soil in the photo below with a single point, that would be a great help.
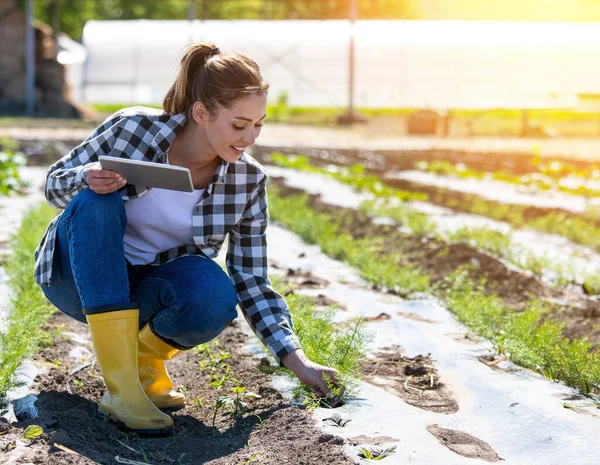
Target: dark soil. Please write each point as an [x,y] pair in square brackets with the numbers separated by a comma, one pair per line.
[67,409]
[415,380]
[580,315]
[381,163]
[464,444]
[516,164]
[399,160]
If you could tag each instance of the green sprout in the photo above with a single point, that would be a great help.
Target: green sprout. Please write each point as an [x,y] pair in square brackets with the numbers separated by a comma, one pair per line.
[375,453]
[337,420]
[221,402]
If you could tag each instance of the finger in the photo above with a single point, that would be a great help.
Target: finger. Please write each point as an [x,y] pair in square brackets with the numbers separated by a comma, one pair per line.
[106,189]
[104,174]
[103,182]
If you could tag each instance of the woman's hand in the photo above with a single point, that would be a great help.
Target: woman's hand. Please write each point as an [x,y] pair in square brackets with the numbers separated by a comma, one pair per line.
[313,375]
[103,181]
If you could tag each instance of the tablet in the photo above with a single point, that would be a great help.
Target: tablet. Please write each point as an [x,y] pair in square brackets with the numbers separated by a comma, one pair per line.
[145,173]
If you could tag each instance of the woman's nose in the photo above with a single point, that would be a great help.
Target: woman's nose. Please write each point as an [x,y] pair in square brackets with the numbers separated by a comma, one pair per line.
[250,137]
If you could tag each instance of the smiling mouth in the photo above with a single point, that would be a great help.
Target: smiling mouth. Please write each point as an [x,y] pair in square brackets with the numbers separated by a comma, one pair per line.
[238,149]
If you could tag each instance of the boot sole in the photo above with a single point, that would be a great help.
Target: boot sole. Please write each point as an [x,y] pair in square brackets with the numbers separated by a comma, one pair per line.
[142,432]
[170,408]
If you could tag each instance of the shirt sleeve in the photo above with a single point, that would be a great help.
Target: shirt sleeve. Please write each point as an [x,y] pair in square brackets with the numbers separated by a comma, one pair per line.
[67,177]
[265,310]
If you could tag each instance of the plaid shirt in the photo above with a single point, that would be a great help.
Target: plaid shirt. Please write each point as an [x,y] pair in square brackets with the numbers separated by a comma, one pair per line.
[234,202]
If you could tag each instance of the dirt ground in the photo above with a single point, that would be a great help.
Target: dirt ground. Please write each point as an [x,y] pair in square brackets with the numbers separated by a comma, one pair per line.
[271,427]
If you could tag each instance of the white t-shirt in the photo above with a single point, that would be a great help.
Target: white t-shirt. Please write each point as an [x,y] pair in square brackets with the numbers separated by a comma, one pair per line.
[159,220]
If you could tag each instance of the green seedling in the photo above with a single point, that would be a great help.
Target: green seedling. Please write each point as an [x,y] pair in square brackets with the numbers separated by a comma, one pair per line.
[198,402]
[337,420]
[252,458]
[78,383]
[376,453]
[183,389]
[261,422]
[240,393]
[32,432]
[221,402]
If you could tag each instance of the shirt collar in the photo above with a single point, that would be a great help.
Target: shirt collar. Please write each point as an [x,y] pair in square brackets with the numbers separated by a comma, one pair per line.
[171,125]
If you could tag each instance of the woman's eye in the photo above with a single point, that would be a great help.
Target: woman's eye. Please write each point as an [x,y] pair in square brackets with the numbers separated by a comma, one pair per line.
[238,128]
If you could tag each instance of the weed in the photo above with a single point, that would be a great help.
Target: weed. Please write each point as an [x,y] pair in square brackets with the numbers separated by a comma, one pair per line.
[198,402]
[376,453]
[261,422]
[252,458]
[221,402]
[78,383]
[337,420]
[240,393]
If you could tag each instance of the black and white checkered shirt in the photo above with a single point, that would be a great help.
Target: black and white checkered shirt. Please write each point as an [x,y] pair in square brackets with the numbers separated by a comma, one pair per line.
[234,203]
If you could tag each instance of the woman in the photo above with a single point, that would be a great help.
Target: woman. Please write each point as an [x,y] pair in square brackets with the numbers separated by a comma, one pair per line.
[130,259]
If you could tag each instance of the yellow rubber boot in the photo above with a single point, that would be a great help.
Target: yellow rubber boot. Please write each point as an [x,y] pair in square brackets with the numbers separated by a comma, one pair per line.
[115,338]
[154,378]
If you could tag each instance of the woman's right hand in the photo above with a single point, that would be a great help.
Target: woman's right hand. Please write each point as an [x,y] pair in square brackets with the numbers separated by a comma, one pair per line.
[103,181]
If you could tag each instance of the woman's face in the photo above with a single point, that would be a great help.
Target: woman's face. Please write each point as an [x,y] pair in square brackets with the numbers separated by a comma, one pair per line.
[234,129]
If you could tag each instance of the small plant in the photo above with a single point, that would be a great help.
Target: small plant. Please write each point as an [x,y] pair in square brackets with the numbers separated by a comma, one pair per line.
[376,453]
[32,432]
[183,389]
[78,383]
[240,393]
[337,420]
[221,402]
[252,458]
[261,422]
[198,401]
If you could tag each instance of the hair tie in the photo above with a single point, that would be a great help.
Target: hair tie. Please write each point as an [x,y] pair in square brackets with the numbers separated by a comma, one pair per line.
[212,52]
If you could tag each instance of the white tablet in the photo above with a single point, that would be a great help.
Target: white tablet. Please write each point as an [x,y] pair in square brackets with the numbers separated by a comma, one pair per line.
[145,173]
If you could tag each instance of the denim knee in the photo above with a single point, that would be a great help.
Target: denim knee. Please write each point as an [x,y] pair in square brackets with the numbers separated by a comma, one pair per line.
[203,320]
[97,210]
[198,313]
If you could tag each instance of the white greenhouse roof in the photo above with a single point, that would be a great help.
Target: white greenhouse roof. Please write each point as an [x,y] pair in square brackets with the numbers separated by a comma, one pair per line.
[398,63]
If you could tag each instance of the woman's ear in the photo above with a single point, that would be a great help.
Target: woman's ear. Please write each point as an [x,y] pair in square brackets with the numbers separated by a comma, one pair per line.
[200,113]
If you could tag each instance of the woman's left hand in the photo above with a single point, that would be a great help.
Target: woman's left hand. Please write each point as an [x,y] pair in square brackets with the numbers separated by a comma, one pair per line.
[313,375]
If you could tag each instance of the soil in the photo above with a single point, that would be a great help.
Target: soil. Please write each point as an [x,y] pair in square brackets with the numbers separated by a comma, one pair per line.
[580,315]
[381,163]
[399,160]
[271,427]
[415,380]
[464,444]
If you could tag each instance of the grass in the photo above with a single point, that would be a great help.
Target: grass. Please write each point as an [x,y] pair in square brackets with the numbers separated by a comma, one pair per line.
[29,309]
[548,178]
[527,338]
[367,255]
[342,349]
[388,203]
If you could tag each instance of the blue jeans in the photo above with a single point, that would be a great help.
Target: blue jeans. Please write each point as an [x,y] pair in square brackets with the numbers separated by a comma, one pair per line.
[187,301]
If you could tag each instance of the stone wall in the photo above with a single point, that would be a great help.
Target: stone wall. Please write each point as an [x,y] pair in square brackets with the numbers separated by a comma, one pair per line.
[51,93]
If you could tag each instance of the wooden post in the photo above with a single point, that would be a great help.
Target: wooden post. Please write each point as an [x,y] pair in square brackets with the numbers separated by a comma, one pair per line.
[29,59]
[353,16]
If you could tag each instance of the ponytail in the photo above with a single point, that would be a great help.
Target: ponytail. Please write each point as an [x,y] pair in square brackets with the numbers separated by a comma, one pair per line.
[191,64]
[213,78]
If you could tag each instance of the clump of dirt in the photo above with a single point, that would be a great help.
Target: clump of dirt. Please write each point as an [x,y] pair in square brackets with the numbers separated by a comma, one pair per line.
[464,444]
[415,380]
[269,427]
